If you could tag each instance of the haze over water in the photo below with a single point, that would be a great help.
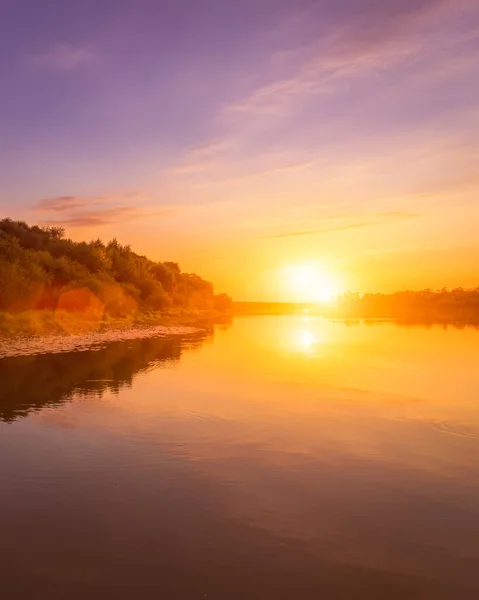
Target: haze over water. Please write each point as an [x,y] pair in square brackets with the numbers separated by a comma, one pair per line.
[280,457]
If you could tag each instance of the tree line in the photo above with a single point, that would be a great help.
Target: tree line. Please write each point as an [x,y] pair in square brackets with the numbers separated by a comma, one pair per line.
[457,304]
[42,269]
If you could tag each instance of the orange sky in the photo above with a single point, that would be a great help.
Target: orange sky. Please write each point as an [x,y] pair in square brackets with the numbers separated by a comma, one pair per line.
[343,134]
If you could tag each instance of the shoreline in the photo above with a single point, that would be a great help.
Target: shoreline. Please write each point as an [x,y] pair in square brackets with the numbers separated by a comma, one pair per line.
[21,346]
[46,323]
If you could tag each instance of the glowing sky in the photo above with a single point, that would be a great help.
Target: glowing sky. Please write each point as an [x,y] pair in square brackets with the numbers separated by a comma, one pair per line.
[238,137]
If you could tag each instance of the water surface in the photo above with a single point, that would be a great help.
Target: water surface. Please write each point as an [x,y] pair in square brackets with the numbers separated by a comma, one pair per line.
[280,458]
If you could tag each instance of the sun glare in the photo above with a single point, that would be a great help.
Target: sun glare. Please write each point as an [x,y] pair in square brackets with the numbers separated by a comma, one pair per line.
[309,282]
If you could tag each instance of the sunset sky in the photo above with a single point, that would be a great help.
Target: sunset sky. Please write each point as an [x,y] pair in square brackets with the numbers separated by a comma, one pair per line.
[241,138]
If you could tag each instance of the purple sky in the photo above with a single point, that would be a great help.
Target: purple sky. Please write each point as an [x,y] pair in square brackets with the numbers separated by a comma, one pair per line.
[231,133]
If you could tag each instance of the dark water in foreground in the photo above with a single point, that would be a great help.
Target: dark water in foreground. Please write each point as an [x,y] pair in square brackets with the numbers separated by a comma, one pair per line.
[282,458]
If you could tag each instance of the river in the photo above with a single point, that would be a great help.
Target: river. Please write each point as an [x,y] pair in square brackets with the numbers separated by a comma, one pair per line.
[275,458]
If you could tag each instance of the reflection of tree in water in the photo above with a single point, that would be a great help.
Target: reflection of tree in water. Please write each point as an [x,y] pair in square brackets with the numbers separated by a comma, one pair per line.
[33,382]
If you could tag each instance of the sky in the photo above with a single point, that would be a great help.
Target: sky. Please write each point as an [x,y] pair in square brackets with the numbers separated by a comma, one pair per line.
[242,138]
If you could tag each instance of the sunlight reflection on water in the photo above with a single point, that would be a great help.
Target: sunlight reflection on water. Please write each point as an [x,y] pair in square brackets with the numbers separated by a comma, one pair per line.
[284,457]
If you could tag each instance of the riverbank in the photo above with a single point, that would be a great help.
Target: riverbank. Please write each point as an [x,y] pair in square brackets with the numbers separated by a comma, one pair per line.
[48,323]
[12,346]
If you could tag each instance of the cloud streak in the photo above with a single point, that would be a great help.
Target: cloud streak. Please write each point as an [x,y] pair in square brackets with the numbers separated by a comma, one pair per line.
[380,219]
[63,57]
[346,42]
[77,211]
[61,204]
[359,37]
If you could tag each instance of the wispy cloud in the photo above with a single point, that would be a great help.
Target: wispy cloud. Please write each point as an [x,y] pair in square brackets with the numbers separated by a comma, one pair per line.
[398,215]
[201,158]
[379,219]
[345,42]
[77,211]
[62,204]
[360,37]
[63,57]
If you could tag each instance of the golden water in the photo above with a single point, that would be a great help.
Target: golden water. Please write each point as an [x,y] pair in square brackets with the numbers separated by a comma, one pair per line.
[279,458]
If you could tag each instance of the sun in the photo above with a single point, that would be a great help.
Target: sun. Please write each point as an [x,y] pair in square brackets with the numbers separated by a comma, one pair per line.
[309,282]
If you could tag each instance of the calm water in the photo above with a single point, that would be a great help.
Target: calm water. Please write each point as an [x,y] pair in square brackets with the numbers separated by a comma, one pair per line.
[279,458]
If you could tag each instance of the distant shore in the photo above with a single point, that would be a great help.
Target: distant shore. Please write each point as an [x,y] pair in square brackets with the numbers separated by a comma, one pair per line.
[67,323]
[426,308]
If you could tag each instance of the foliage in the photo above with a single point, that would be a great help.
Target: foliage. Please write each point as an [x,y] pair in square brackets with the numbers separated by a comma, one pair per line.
[41,269]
